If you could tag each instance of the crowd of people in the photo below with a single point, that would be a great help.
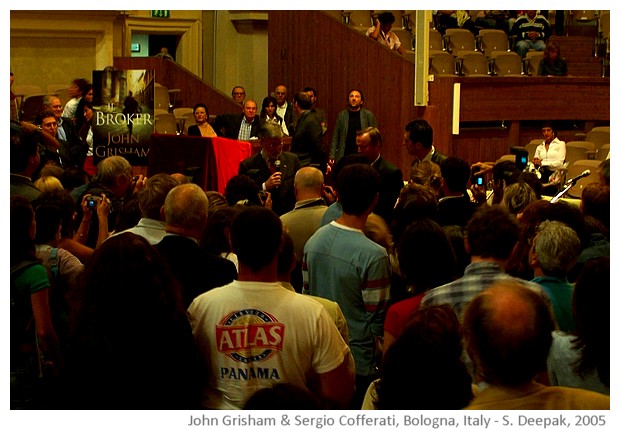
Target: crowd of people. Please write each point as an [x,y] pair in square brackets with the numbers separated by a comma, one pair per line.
[317,279]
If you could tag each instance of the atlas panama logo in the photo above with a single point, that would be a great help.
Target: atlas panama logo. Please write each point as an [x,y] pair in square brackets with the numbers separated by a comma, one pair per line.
[249,335]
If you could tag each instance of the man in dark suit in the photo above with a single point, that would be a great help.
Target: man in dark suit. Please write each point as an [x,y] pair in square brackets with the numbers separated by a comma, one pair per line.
[307,139]
[419,142]
[239,126]
[72,149]
[368,141]
[455,207]
[272,169]
[186,210]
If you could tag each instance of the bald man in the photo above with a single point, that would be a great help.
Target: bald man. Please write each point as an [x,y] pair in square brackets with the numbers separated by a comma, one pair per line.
[507,331]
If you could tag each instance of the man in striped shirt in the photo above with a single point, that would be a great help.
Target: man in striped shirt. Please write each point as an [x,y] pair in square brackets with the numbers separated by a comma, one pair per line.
[343,265]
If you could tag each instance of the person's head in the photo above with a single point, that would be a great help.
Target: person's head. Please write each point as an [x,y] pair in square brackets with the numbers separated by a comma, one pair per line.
[308,182]
[186,209]
[552,52]
[283,396]
[87,93]
[455,173]
[555,249]
[425,256]
[415,202]
[507,332]
[238,94]
[517,197]
[387,20]
[368,141]
[23,230]
[77,88]
[55,106]
[492,232]
[346,161]
[256,238]
[430,349]
[418,138]
[269,107]
[541,210]
[216,236]
[241,189]
[531,14]
[48,183]
[312,92]
[216,201]
[301,102]
[596,202]
[456,236]
[358,189]
[281,94]
[533,181]
[152,197]
[271,136]
[88,112]
[504,174]
[114,173]
[181,178]
[549,131]
[49,218]
[201,113]
[355,99]
[48,122]
[604,172]
[24,152]
[427,174]
[592,318]
[249,110]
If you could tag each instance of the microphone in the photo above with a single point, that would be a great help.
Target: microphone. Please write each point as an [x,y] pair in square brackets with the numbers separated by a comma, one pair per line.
[278,165]
[578,177]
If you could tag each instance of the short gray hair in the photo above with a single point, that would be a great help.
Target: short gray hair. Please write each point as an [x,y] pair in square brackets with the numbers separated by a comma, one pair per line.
[270,130]
[186,206]
[517,196]
[110,168]
[557,248]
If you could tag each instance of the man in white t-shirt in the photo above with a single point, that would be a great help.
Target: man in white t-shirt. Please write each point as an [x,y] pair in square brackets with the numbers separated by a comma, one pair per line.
[254,333]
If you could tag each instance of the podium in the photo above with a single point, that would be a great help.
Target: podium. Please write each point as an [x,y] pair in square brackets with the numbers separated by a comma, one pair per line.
[210,162]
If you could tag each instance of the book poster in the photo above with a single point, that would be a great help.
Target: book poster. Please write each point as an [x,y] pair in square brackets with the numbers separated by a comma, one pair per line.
[123,119]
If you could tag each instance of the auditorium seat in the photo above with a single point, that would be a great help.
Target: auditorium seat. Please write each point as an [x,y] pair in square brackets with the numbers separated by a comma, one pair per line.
[405,37]
[165,123]
[602,152]
[180,112]
[577,168]
[435,41]
[491,40]
[162,98]
[360,20]
[409,17]
[532,60]
[599,136]
[531,148]
[459,39]
[335,13]
[506,64]
[578,150]
[441,63]
[472,63]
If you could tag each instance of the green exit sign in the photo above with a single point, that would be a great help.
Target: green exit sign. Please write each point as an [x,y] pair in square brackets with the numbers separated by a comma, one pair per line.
[160,14]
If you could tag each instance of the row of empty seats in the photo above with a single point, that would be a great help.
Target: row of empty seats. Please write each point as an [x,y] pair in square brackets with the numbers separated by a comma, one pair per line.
[176,122]
[362,20]
[475,63]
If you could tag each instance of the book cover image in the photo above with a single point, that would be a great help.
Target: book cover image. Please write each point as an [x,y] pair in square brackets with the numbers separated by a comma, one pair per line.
[123,119]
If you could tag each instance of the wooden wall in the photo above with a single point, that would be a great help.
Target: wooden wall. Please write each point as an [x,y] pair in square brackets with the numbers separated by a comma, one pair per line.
[172,75]
[310,48]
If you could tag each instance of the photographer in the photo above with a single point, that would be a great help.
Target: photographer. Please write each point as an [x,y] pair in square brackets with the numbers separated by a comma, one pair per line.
[113,181]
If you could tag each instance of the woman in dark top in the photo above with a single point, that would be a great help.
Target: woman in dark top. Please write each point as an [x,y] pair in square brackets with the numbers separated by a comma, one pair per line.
[552,64]
[202,127]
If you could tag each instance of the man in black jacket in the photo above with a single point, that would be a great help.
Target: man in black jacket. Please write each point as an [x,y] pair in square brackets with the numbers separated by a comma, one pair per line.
[307,139]
[272,169]
[239,126]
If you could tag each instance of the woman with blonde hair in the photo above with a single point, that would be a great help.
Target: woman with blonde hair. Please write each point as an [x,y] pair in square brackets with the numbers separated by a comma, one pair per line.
[48,183]
[427,174]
